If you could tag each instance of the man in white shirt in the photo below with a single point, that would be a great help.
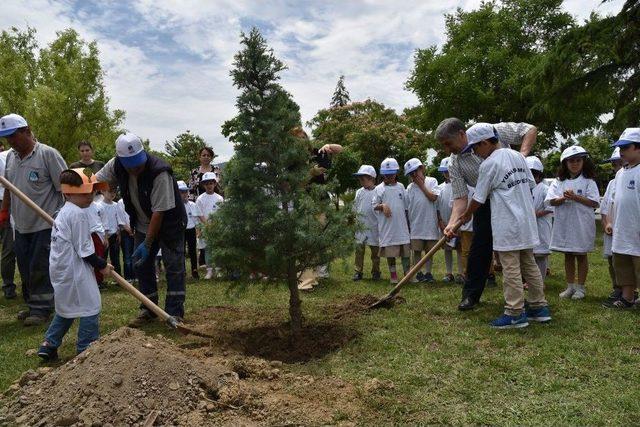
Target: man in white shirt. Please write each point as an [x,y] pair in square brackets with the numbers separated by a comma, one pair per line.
[505,177]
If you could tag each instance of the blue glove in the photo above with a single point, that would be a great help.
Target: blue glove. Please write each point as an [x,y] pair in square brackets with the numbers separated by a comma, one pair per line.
[140,255]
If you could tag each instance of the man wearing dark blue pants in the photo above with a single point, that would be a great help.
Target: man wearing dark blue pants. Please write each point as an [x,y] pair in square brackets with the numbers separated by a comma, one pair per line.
[156,212]
[463,171]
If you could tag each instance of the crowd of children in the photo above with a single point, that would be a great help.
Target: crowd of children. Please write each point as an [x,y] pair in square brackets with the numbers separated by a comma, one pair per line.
[532,219]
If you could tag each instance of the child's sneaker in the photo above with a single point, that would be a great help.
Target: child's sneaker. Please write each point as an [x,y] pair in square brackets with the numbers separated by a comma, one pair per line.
[460,279]
[427,278]
[376,276]
[47,353]
[418,277]
[568,293]
[414,279]
[579,293]
[510,322]
[541,314]
[394,278]
[449,278]
[620,304]
[357,276]
[209,274]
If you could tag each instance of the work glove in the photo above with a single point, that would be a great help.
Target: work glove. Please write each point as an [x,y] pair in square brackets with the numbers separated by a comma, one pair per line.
[140,255]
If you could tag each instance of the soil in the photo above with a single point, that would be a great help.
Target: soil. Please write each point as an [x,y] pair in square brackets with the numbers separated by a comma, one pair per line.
[129,378]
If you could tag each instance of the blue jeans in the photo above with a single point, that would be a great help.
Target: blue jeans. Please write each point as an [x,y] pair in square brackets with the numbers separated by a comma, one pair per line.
[32,254]
[174,264]
[126,243]
[88,331]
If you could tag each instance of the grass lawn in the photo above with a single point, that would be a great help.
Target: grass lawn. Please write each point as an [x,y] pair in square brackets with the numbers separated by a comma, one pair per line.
[447,367]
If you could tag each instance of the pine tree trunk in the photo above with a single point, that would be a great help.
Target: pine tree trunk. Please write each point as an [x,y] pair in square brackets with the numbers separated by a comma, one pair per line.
[337,202]
[295,305]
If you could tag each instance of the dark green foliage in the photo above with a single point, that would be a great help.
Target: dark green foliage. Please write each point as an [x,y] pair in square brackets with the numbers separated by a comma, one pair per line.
[183,152]
[340,95]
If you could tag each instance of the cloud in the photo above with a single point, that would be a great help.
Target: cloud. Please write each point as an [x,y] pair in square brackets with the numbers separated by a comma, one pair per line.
[167,63]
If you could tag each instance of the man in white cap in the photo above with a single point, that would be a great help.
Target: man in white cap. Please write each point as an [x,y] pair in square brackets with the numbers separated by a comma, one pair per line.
[152,200]
[463,171]
[35,169]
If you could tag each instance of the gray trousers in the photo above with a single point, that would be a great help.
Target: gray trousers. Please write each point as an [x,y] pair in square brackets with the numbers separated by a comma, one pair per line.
[32,253]
[8,260]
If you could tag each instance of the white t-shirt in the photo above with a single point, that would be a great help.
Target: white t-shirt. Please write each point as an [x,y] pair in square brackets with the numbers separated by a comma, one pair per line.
[395,230]
[123,216]
[626,227]
[75,289]
[506,179]
[366,215]
[545,223]
[208,203]
[193,214]
[95,223]
[606,208]
[574,224]
[423,213]
[108,213]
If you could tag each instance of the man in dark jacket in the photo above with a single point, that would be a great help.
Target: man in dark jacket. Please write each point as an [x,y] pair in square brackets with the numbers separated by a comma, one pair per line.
[152,200]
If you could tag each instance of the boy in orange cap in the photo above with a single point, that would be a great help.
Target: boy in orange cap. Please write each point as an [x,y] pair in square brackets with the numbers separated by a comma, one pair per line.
[71,263]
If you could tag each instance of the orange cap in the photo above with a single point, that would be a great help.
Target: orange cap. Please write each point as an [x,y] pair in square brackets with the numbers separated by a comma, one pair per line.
[89,183]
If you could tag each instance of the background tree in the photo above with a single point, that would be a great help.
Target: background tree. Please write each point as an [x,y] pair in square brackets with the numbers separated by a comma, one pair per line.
[59,90]
[487,60]
[272,220]
[340,96]
[183,152]
[369,132]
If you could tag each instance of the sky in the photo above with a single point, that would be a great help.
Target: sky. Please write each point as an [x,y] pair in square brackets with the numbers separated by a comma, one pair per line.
[167,63]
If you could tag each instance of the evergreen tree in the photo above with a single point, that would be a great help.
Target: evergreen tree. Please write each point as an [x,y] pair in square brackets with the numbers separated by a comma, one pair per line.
[183,152]
[340,95]
[272,221]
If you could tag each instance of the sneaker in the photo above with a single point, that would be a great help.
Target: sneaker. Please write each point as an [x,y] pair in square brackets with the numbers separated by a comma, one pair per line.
[615,295]
[414,279]
[47,353]
[621,304]
[23,314]
[376,276]
[579,293]
[460,279]
[195,275]
[35,320]
[11,294]
[568,293]
[143,317]
[491,280]
[209,274]
[394,278]
[419,277]
[427,278]
[449,278]
[357,276]
[541,314]
[510,322]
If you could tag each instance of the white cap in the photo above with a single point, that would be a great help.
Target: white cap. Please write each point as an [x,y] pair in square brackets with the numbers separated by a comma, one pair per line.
[479,132]
[411,165]
[389,166]
[573,151]
[629,136]
[10,123]
[614,156]
[444,164]
[209,176]
[534,163]
[367,170]
[182,186]
[130,151]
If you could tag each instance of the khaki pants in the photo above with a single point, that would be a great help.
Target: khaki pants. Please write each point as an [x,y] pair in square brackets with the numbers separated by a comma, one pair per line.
[518,265]
[465,246]
[627,269]
[375,258]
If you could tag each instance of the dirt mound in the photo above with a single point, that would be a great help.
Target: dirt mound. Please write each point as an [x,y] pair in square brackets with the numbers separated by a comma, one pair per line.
[129,378]
[359,304]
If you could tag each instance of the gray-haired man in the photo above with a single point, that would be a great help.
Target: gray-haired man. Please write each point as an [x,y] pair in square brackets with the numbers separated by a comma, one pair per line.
[463,171]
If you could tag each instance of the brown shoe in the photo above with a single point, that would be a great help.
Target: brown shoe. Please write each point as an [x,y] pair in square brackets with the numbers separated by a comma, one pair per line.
[35,320]
[143,317]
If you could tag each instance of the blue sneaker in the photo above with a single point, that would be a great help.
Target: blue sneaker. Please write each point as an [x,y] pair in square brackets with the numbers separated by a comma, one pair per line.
[510,322]
[541,314]
[427,278]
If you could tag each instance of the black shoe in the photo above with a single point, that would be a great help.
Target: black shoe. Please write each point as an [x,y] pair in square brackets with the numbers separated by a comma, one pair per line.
[10,295]
[47,353]
[614,295]
[491,280]
[357,276]
[195,275]
[427,278]
[144,316]
[376,276]
[620,303]
[467,303]
[420,276]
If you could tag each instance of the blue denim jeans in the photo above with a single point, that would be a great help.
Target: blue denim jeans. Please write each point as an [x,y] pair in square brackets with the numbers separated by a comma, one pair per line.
[88,331]
[126,243]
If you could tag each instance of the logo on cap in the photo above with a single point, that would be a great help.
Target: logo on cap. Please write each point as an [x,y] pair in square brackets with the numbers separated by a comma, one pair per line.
[3,124]
[130,148]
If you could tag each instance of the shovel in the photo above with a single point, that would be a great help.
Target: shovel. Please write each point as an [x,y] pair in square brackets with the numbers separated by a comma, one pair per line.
[385,300]
[170,320]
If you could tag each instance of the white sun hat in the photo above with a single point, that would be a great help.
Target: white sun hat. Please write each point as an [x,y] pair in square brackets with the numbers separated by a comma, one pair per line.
[573,151]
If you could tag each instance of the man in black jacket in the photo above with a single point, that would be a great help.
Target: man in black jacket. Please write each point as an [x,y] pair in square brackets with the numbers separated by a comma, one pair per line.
[152,200]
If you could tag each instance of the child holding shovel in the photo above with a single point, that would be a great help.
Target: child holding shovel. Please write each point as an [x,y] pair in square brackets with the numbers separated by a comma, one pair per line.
[71,263]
